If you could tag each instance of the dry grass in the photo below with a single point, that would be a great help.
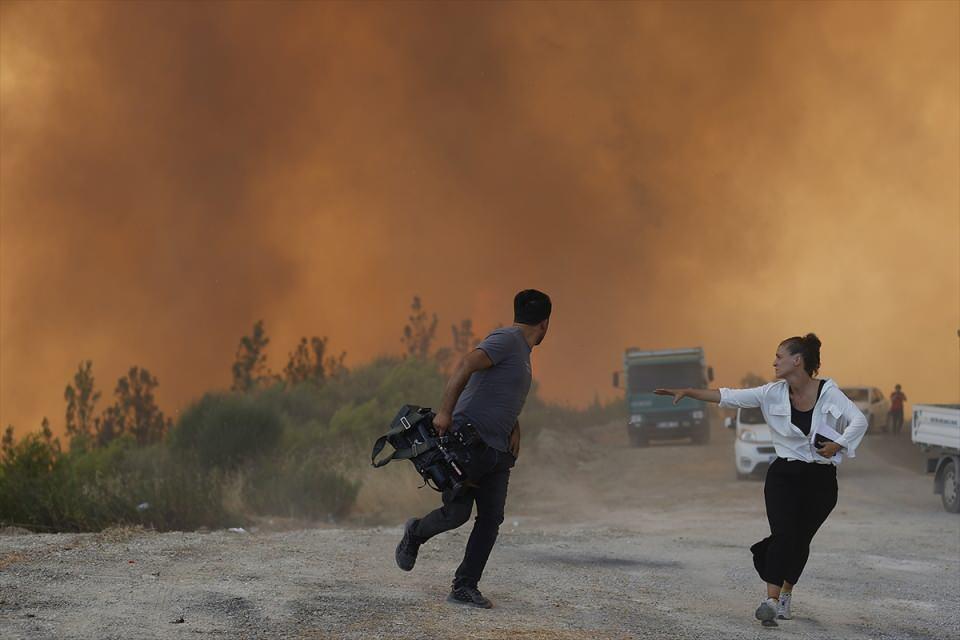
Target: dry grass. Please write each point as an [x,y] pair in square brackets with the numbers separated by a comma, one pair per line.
[389,495]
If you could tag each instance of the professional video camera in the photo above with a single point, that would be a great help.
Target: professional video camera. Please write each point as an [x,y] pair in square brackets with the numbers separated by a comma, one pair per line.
[442,461]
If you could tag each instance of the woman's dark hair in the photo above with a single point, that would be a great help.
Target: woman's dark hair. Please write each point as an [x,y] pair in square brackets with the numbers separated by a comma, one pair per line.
[809,347]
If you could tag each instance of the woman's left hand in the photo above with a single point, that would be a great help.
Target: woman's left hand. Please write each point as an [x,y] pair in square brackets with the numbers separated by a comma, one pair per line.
[829,449]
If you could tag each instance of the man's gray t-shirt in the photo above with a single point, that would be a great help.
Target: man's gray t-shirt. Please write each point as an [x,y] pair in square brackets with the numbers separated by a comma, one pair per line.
[494,397]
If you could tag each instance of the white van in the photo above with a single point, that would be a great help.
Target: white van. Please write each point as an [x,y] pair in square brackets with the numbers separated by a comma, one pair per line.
[753,448]
[874,405]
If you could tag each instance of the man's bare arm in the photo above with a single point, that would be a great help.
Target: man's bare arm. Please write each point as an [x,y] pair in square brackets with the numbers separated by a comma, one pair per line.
[476,360]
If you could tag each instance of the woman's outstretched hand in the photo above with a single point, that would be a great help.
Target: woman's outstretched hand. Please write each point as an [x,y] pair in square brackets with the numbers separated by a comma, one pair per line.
[678,394]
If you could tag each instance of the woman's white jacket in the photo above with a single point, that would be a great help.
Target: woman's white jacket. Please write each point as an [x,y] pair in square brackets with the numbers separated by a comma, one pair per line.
[834,416]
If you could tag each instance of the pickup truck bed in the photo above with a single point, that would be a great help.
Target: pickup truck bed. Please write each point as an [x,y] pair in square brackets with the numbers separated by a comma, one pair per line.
[937,425]
[936,428]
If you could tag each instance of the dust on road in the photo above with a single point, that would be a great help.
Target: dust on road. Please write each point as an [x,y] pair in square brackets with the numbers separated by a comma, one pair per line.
[616,542]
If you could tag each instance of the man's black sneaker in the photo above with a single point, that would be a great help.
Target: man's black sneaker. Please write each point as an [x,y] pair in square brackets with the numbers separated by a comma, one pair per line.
[469,596]
[406,554]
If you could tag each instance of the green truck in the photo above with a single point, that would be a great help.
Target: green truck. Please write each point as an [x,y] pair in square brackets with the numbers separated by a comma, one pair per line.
[653,417]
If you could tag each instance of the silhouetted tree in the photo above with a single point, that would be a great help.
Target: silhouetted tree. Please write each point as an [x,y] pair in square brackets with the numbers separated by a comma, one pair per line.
[6,444]
[306,362]
[34,456]
[108,426]
[53,444]
[250,365]
[418,335]
[81,402]
[137,408]
[309,363]
[335,367]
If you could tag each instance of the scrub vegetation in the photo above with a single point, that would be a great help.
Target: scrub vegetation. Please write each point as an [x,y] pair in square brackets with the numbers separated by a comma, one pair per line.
[289,445]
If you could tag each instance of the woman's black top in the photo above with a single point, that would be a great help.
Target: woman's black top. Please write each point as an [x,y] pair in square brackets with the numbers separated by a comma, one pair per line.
[802,419]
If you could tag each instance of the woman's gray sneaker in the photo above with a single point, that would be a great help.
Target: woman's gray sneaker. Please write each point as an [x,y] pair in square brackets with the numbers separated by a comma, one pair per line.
[469,596]
[767,612]
[406,554]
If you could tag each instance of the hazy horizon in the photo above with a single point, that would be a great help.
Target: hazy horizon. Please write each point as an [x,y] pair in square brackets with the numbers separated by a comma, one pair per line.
[722,175]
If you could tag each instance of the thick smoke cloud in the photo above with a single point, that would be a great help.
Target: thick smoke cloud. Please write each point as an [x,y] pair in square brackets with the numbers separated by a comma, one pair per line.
[673,174]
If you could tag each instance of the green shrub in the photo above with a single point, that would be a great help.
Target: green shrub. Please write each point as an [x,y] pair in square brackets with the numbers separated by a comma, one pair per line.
[285,451]
[29,486]
[303,487]
[88,490]
[179,493]
[352,411]
[223,430]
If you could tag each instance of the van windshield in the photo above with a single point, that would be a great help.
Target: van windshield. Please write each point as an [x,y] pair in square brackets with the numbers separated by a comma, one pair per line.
[752,416]
[644,378]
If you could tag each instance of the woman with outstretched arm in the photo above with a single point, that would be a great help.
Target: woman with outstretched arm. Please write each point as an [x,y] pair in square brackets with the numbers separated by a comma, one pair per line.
[813,426]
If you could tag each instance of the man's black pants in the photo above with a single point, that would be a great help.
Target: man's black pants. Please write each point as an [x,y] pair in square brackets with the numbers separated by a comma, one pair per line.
[490,472]
[799,497]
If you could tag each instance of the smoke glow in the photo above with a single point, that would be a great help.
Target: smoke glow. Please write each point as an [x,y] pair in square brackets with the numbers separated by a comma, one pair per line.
[676,174]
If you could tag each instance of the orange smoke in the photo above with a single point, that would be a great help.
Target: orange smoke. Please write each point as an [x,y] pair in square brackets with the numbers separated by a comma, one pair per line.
[675,174]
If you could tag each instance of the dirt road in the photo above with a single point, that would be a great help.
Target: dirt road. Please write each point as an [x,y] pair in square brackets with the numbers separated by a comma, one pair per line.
[621,543]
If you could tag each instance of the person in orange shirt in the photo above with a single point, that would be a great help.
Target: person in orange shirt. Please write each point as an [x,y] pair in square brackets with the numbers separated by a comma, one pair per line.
[895,417]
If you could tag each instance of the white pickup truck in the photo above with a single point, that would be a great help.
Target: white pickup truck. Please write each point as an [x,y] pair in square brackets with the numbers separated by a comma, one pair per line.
[936,428]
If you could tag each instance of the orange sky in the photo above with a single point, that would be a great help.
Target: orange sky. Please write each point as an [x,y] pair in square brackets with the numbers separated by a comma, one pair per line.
[677,174]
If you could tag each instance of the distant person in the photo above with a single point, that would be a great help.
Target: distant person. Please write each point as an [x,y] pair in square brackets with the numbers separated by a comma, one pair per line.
[813,425]
[895,417]
[487,390]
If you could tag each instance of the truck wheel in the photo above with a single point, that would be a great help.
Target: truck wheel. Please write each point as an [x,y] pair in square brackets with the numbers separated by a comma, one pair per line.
[951,491]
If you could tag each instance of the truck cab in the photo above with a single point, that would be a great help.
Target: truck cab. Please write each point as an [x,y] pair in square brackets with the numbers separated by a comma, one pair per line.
[653,417]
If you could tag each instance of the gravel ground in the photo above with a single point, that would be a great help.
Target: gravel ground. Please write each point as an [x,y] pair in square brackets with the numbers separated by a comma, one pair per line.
[620,543]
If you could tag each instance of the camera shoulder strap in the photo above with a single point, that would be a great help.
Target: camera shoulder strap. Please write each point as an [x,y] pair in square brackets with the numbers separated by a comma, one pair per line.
[402,425]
